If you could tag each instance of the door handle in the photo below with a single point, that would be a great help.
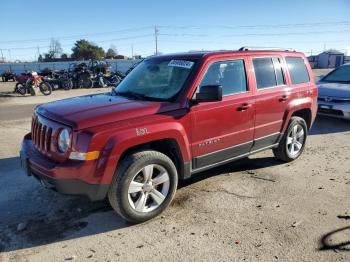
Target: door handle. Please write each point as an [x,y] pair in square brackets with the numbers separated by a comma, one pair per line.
[283,98]
[244,107]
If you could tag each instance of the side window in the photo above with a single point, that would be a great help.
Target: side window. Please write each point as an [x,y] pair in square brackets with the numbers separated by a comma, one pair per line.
[268,72]
[229,74]
[297,70]
[278,71]
[264,72]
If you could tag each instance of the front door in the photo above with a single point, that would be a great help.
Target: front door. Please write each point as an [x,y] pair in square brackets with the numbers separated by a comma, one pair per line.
[223,130]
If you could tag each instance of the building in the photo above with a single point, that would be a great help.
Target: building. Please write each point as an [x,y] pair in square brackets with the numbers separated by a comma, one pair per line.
[328,59]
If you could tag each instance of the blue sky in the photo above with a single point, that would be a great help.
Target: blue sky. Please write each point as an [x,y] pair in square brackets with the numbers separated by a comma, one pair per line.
[309,26]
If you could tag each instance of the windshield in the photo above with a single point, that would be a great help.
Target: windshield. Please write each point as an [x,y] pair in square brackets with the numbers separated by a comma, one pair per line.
[341,74]
[155,79]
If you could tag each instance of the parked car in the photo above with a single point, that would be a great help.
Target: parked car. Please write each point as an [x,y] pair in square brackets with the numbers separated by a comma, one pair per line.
[171,117]
[334,93]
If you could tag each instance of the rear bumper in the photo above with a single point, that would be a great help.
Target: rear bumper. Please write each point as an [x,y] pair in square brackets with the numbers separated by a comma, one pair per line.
[54,176]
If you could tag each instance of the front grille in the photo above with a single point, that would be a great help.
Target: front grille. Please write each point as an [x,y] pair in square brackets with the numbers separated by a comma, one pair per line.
[334,99]
[330,112]
[41,135]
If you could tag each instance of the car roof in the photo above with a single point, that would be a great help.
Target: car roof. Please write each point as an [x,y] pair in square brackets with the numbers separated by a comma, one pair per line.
[195,55]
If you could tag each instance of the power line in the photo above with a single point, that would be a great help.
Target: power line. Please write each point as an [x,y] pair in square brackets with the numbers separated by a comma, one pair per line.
[259,34]
[78,36]
[67,37]
[312,24]
[71,44]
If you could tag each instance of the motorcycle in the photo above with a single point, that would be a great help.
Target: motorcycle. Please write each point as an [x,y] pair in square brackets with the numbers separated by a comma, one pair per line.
[60,80]
[33,81]
[80,76]
[103,81]
[8,75]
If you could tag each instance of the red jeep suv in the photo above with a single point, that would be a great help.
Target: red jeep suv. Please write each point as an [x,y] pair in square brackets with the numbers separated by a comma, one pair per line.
[172,116]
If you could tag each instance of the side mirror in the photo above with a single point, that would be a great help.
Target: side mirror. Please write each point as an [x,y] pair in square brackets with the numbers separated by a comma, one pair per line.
[210,93]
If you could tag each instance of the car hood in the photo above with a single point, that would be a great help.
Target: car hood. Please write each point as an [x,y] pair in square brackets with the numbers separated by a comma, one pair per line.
[334,89]
[93,110]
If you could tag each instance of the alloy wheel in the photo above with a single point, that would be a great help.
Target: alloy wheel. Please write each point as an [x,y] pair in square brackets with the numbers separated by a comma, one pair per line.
[149,188]
[295,140]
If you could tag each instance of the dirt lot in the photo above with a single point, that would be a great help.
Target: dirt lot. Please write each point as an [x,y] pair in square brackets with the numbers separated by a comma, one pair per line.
[255,210]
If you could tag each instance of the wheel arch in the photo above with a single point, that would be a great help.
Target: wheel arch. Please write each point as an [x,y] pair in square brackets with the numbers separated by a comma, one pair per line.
[173,144]
[299,107]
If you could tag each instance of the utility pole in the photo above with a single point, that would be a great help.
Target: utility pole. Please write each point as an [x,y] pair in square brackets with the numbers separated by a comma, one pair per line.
[156,31]
[2,56]
[9,50]
[38,53]
[132,51]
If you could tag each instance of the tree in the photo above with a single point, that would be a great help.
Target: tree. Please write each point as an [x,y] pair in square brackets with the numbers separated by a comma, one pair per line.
[84,50]
[40,58]
[112,52]
[55,49]
[64,57]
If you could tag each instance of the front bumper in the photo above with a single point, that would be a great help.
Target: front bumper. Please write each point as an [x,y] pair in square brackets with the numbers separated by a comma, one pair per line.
[340,110]
[56,176]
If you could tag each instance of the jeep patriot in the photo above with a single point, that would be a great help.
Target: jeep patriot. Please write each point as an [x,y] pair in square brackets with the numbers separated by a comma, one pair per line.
[173,116]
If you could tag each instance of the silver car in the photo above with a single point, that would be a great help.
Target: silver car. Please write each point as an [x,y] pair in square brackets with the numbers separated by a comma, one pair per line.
[334,93]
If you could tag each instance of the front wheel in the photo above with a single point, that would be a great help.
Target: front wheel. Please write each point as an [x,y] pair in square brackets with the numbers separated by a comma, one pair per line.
[293,141]
[45,88]
[143,186]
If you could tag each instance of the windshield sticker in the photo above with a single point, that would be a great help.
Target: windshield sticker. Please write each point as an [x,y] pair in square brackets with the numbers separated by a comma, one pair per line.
[181,63]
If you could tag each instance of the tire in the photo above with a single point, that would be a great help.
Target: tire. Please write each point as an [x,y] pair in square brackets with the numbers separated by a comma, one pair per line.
[131,169]
[45,88]
[87,83]
[67,84]
[21,89]
[293,141]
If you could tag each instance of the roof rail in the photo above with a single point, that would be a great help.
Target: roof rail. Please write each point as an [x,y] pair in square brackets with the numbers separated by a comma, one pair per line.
[248,48]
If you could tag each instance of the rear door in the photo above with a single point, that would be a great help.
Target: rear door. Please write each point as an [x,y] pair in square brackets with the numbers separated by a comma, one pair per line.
[271,97]
[223,130]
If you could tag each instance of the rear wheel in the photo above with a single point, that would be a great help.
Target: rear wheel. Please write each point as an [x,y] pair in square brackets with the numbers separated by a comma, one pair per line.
[67,84]
[21,89]
[143,186]
[86,83]
[293,141]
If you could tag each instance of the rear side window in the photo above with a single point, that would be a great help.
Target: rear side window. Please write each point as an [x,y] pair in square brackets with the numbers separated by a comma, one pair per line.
[297,70]
[268,72]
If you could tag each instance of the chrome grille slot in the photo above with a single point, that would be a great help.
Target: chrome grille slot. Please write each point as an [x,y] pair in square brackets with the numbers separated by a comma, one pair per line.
[41,135]
[37,134]
[48,139]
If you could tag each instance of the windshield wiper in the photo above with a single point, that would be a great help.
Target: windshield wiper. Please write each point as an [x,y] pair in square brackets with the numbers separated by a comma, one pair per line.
[131,94]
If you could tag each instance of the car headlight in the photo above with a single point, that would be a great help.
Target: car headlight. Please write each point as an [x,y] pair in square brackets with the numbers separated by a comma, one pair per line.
[63,141]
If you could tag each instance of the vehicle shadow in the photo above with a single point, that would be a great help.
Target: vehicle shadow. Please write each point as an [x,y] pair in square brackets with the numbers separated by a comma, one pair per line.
[44,215]
[327,241]
[327,125]
[54,217]
[246,164]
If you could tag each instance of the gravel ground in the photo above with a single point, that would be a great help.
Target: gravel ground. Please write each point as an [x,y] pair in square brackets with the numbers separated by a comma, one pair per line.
[258,209]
